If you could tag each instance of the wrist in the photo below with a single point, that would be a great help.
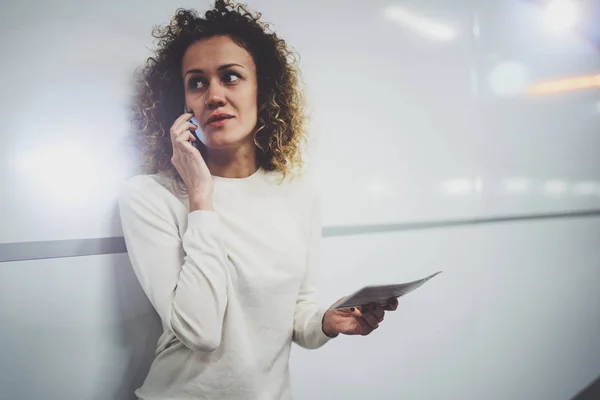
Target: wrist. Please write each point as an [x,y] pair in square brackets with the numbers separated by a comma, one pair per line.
[327,330]
[200,202]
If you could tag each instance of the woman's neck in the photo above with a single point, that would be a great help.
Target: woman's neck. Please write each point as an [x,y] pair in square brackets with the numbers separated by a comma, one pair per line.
[231,163]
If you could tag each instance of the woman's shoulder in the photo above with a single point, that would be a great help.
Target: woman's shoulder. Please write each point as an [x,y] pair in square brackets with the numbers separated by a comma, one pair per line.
[149,187]
[144,183]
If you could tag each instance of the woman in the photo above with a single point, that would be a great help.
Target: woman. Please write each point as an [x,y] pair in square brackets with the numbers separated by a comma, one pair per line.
[223,232]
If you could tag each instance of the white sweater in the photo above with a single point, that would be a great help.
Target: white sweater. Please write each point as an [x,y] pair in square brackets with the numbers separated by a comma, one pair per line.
[233,287]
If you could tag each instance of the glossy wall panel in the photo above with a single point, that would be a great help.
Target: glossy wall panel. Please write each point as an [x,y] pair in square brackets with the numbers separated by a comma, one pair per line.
[65,83]
[538,118]
[513,315]
[392,111]
[390,106]
[75,328]
[420,111]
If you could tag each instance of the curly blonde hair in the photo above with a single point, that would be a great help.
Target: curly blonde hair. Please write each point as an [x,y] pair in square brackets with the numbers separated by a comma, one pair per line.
[280,130]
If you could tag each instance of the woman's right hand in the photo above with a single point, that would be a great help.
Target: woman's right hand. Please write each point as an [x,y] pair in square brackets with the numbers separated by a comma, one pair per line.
[191,165]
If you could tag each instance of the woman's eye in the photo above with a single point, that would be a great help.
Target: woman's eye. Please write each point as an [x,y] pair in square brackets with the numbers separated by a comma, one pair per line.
[231,78]
[195,83]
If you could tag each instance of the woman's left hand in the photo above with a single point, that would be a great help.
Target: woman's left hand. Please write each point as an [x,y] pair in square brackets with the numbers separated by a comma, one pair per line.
[356,321]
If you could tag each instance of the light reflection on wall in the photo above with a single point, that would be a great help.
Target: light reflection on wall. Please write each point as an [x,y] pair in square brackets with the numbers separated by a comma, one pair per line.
[586,188]
[68,172]
[426,27]
[565,85]
[561,14]
[555,187]
[459,186]
[519,185]
[516,185]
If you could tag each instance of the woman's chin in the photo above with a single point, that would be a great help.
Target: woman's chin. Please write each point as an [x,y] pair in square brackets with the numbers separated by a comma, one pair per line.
[221,141]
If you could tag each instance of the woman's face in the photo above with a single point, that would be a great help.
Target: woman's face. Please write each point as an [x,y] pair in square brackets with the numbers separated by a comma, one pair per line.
[221,89]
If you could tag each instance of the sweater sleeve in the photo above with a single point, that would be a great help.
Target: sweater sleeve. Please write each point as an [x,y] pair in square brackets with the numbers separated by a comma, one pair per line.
[184,275]
[308,316]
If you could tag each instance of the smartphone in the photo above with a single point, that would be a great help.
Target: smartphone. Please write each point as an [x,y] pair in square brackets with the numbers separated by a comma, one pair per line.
[194,121]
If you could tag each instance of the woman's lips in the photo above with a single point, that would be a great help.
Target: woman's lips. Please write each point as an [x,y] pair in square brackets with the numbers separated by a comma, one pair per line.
[219,120]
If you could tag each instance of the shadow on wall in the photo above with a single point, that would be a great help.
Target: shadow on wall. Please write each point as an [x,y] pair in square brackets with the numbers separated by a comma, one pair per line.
[136,334]
[591,392]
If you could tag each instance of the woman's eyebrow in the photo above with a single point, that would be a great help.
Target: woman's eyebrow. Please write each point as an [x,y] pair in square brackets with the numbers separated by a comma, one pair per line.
[222,67]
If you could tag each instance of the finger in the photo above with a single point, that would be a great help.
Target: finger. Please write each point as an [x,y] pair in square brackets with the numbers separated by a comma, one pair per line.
[364,326]
[179,128]
[182,129]
[182,142]
[185,137]
[370,318]
[391,305]
[182,118]
[378,311]
[352,311]
[374,309]
[184,147]
[355,311]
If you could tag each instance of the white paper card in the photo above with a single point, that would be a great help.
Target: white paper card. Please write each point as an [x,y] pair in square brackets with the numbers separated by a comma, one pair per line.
[379,294]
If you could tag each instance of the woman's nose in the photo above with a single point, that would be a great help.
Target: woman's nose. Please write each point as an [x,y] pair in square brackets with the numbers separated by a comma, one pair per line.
[215,98]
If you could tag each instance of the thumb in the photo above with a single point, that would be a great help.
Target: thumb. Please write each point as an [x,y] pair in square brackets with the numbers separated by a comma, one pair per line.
[354,311]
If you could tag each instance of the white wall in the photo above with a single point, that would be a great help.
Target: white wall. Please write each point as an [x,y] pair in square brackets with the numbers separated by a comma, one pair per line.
[513,316]
[436,126]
